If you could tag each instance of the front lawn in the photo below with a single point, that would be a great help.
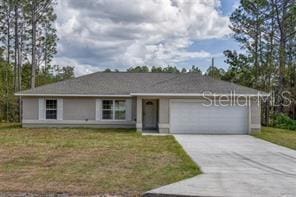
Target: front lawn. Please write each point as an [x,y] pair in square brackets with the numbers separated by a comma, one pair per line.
[278,136]
[89,161]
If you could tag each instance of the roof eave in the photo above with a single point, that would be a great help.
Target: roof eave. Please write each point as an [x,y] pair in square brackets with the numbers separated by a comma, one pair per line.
[145,94]
[72,95]
[201,94]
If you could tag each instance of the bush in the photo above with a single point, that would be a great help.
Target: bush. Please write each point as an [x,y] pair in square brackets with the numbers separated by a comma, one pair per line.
[284,122]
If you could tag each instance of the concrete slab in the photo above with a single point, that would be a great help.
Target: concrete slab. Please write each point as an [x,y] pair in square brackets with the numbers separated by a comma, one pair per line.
[236,165]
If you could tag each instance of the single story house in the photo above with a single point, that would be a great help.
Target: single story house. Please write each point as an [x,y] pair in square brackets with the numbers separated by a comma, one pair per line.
[160,102]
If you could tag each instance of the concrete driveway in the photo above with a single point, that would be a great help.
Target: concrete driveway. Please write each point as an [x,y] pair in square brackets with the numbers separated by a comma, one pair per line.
[236,165]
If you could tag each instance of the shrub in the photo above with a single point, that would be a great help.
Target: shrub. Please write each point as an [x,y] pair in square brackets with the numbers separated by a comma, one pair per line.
[284,122]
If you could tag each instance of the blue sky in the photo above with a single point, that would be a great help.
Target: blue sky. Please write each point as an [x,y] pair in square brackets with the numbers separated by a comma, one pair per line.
[95,35]
[215,46]
[228,6]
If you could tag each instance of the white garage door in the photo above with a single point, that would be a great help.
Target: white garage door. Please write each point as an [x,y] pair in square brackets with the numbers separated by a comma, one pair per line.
[194,117]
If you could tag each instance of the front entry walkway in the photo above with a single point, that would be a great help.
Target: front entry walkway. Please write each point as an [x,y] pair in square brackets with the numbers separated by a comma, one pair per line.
[238,165]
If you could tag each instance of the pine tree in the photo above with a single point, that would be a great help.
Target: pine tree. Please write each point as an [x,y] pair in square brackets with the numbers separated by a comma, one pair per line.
[266,32]
[40,17]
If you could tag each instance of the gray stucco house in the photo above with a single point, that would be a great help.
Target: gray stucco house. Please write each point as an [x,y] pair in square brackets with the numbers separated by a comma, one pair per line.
[162,102]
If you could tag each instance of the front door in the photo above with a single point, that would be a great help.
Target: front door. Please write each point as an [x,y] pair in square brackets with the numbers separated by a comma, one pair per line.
[150,114]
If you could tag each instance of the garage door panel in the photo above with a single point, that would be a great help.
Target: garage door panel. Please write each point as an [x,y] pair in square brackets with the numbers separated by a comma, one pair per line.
[194,117]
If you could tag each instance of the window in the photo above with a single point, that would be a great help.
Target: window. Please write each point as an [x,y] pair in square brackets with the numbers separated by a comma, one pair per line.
[107,109]
[51,109]
[113,110]
[119,109]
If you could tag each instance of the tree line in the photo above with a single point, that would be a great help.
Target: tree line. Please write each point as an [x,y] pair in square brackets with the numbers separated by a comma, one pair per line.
[266,31]
[28,42]
[212,71]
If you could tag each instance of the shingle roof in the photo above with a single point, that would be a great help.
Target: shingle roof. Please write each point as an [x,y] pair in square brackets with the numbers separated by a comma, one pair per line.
[124,83]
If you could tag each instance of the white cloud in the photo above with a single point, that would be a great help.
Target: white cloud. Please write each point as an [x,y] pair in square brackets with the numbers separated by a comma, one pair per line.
[120,33]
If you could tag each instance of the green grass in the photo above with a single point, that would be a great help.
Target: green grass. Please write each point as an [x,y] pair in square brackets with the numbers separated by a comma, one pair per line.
[9,125]
[89,161]
[281,137]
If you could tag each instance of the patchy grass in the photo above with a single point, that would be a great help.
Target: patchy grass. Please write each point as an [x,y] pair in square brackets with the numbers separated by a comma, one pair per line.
[4,125]
[282,137]
[89,161]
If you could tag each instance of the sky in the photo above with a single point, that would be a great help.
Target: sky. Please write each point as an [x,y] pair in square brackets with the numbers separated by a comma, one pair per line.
[117,34]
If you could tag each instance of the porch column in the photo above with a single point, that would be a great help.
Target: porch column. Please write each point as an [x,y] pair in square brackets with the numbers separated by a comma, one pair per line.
[139,114]
[163,124]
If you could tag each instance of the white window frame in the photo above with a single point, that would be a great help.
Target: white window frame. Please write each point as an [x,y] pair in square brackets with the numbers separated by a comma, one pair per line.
[51,109]
[114,110]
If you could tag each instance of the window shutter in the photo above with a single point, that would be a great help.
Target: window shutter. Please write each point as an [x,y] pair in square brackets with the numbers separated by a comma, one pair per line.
[41,109]
[128,106]
[98,109]
[60,109]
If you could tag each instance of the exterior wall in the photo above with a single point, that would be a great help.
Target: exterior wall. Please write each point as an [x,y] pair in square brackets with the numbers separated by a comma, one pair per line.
[79,109]
[134,109]
[75,112]
[83,112]
[164,125]
[35,124]
[30,108]
[139,114]
[255,122]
